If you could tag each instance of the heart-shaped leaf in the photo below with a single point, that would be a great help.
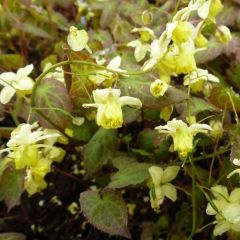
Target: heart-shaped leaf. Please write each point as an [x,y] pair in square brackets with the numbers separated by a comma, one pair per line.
[108,212]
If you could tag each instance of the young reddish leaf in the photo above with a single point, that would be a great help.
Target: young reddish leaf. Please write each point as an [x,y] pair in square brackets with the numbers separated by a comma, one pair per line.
[108,212]
[11,187]
[52,95]
[81,87]
[99,150]
[222,96]
[12,236]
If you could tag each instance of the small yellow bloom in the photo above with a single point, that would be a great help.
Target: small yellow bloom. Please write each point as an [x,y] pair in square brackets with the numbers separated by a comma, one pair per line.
[166,112]
[78,39]
[182,135]
[198,78]
[161,185]
[158,88]
[109,107]
[223,34]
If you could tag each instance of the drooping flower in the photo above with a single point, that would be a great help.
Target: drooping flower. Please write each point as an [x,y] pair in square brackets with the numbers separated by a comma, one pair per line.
[182,135]
[78,39]
[161,185]
[197,79]
[109,107]
[226,208]
[18,82]
[158,88]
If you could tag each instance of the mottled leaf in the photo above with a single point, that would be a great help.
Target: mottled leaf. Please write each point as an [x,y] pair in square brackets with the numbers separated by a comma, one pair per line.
[138,86]
[108,212]
[51,100]
[99,149]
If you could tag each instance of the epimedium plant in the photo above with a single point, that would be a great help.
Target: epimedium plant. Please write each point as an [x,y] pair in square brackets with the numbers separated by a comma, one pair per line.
[144,112]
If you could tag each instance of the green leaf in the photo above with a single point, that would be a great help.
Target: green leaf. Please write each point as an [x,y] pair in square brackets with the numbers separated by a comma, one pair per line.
[130,114]
[222,96]
[11,62]
[121,30]
[99,150]
[83,132]
[138,86]
[148,139]
[11,187]
[33,30]
[52,100]
[195,106]
[130,173]
[12,236]
[108,212]
[234,76]
[4,163]
[108,13]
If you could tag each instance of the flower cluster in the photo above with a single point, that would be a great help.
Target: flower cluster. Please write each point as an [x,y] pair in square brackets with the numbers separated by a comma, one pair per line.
[32,148]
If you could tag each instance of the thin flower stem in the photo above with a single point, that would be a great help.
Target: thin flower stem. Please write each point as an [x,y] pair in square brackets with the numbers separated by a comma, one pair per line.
[194,212]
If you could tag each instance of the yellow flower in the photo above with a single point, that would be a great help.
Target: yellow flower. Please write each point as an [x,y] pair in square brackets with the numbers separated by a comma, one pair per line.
[109,107]
[78,39]
[161,187]
[34,180]
[197,79]
[158,88]
[223,34]
[206,9]
[146,34]
[182,135]
[180,31]
[226,208]
[185,60]
[31,148]
[166,112]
